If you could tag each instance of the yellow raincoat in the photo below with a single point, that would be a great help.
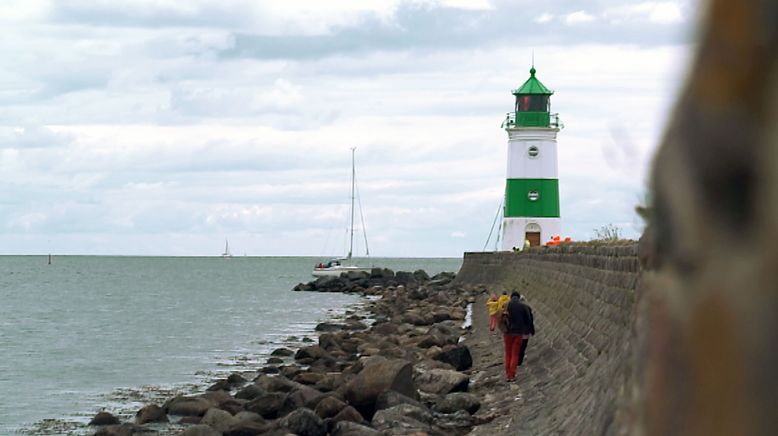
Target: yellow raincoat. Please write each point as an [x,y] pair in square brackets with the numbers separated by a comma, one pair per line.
[502,302]
[493,306]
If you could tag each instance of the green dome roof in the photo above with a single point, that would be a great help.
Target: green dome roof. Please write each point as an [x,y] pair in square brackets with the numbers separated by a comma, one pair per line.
[532,86]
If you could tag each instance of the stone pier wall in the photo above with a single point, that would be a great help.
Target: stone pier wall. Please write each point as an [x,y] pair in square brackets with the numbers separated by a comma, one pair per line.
[584,300]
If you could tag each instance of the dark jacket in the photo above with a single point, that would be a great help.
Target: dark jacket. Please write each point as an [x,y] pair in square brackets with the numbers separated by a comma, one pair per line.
[520,318]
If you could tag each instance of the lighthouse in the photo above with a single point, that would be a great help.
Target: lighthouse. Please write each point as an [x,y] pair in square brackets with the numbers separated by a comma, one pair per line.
[531,208]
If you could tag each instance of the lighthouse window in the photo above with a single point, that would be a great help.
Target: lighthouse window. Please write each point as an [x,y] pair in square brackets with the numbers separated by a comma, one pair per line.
[533,151]
[533,195]
[531,103]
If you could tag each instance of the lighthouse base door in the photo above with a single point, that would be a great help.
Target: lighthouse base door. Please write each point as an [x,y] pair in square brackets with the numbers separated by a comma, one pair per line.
[533,238]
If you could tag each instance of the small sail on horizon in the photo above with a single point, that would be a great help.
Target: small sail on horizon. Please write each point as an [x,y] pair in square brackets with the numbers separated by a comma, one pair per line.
[226,253]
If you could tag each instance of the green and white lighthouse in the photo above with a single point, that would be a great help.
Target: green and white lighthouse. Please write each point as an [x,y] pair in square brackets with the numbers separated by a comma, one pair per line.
[531,210]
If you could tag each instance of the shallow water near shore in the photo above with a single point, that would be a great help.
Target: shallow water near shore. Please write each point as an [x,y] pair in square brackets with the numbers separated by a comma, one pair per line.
[93,332]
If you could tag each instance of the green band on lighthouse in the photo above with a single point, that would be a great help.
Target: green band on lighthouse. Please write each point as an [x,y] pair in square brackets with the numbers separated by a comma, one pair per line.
[532,198]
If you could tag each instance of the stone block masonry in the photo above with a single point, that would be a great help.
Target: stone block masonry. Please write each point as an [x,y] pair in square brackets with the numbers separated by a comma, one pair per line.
[584,300]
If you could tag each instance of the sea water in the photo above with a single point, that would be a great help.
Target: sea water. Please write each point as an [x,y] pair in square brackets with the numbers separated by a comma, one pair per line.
[93,332]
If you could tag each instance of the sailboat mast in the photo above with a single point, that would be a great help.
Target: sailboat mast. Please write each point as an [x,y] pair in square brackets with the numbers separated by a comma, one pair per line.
[353,184]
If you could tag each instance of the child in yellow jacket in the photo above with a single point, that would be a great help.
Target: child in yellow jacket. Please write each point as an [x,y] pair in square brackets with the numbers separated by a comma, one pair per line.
[502,301]
[493,305]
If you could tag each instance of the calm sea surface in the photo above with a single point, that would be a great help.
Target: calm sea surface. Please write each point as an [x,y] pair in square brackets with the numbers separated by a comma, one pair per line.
[87,333]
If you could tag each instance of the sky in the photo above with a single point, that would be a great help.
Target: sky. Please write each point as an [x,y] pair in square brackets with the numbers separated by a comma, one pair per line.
[165,127]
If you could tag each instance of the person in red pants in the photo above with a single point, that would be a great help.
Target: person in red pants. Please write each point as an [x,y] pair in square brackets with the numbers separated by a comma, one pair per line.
[520,324]
[492,305]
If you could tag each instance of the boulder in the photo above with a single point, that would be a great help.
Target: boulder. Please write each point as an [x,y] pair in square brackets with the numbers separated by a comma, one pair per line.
[432,340]
[200,430]
[328,327]
[310,353]
[379,376]
[304,422]
[247,428]
[421,276]
[385,328]
[218,419]
[457,356]
[221,385]
[403,418]
[454,421]
[217,397]
[250,417]
[443,315]
[275,384]
[306,396]
[309,378]
[233,405]
[405,278]
[269,370]
[289,371]
[190,420]
[304,287]
[347,428]
[188,406]
[392,351]
[324,364]
[418,294]
[236,379]
[457,401]
[458,314]
[330,284]
[357,275]
[282,352]
[416,318]
[271,405]
[348,414]
[330,382]
[117,430]
[273,360]
[329,407]
[379,273]
[104,418]
[355,325]
[391,398]
[150,413]
[441,381]
[330,341]
[250,392]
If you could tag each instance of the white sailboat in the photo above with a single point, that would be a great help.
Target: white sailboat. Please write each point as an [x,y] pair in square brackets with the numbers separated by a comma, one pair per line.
[338,266]
[226,253]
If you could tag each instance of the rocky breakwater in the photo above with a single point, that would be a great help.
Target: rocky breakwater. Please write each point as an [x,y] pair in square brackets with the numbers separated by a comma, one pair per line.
[400,370]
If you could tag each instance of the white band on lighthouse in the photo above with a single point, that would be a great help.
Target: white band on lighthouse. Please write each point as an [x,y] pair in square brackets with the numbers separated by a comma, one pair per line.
[533,154]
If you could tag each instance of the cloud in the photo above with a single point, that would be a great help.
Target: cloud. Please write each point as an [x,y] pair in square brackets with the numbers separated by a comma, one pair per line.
[578,17]
[665,13]
[27,221]
[544,18]
[225,101]
[31,137]
[165,129]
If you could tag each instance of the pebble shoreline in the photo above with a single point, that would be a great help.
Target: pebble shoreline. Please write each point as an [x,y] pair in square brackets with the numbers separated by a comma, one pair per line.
[399,370]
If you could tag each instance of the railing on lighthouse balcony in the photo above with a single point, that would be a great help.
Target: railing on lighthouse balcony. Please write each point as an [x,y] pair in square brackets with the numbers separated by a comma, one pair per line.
[532,119]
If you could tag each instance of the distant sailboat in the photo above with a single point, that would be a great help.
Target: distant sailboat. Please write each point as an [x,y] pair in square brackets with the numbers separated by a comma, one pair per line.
[226,253]
[334,267]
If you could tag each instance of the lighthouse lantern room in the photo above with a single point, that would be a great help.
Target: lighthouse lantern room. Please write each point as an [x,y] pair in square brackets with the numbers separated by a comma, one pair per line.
[531,211]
